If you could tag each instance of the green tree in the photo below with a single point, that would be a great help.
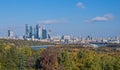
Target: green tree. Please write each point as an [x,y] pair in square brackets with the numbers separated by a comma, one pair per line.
[107,62]
[117,64]
[10,59]
[66,62]
[88,60]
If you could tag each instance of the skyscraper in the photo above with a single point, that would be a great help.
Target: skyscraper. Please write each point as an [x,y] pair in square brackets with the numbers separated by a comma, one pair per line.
[31,32]
[49,32]
[38,31]
[44,34]
[10,33]
[26,31]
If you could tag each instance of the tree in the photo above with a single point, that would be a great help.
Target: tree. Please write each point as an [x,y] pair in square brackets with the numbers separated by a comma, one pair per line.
[66,62]
[117,64]
[107,62]
[47,60]
[88,60]
[10,59]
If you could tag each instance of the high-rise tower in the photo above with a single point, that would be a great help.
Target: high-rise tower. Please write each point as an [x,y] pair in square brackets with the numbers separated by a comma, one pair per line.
[10,33]
[38,31]
[49,32]
[31,32]
[26,30]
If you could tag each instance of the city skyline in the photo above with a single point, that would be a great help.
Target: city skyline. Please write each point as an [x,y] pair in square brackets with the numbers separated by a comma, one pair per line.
[38,32]
[74,17]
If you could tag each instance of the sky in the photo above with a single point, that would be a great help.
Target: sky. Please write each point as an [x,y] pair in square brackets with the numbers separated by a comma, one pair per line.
[80,18]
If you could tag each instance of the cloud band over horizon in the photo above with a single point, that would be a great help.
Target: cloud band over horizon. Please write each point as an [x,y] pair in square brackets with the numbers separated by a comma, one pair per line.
[104,18]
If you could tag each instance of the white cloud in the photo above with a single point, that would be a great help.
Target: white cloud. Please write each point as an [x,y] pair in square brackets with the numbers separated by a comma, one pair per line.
[80,5]
[54,21]
[97,19]
[103,18]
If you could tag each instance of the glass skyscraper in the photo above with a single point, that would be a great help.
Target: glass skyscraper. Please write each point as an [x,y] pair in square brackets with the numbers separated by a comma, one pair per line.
[44,34]
[10,33]
[31,32]
[39,32]
[26,31]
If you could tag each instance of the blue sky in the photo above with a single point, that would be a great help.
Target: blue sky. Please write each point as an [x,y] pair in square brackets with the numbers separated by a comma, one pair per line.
[99,18]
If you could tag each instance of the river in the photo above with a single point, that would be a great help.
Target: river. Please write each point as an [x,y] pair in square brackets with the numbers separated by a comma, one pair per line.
[40,46]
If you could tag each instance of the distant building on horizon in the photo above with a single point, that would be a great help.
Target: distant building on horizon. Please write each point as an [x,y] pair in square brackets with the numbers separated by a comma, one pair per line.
[31,32]
[49,32]
[26,31]
[10,34]
[44,33]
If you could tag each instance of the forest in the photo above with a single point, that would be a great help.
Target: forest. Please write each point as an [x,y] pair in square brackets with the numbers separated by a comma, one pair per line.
[17,55]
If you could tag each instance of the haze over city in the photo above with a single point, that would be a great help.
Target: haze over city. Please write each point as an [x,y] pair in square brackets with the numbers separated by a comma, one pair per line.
[62,17]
